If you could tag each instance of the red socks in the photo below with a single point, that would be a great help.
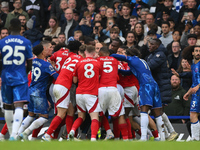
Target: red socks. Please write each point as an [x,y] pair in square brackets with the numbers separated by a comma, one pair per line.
[36,131]
[4,129]
[124,131]
[69,122]
[94,128]
[116,128]
[77,123]
[105,123]
[155,133]
[133,133]
[54,125]
[130,136]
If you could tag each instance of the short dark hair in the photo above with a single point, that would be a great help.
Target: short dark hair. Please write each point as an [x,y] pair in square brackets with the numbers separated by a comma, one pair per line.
[15,25]
[177,30]
[165,22]
[61,33]
[44,42]
[118,40]
[74,45]
[37,50]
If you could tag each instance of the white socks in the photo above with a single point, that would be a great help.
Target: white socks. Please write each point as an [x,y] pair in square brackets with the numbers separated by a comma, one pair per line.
[26,122]
[17,120]
[36,124]
[195,130]
[144,124]
[9,119]
[167,123]
[160,126]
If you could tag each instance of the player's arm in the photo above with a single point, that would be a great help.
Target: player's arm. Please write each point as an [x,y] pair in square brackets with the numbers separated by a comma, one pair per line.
[29,65]
[55,75]
[119,57]
[125,72]
[75,79]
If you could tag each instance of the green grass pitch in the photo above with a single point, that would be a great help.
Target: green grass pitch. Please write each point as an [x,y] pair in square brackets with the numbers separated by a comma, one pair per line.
[99,145]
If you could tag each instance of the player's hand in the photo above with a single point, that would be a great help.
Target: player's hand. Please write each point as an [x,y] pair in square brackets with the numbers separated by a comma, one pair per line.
[186,96]
[174,72]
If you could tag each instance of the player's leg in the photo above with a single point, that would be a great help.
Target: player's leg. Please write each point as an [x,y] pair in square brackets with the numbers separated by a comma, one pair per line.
[7,96]
[94,125]
[4,130]
[29,119]
[153,128]
[159,122]
[104,100]
[144,122]
[173,134]
[76,124]
[43,118]
[62,97]
[194,126]
[26,122]
[70,117]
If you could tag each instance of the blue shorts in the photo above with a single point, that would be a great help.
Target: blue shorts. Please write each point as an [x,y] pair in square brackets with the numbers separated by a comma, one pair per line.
[150,95]
[195,104]
[13,94]
[38,105]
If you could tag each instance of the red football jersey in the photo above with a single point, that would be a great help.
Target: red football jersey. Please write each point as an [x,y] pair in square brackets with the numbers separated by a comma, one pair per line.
[88,70]
[65,77]
[59,58]
[128,81]
[109,74]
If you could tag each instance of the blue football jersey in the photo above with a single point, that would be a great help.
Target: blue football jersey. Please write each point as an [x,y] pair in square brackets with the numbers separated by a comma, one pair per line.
[41,72]
[15,50]
[195,74]
[138,67]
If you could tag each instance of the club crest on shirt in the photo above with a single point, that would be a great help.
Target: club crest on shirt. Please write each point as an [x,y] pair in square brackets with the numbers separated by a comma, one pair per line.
[157,55]
[196,69]
[51,68]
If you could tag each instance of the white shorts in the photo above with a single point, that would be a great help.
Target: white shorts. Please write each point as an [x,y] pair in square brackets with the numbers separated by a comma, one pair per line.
[62,96]
[110,99]
[130,96]
[121,91]
[87,102]
[51,92]
[135,111]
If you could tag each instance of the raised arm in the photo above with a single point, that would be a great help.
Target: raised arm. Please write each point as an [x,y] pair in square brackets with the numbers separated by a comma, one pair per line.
[119,57]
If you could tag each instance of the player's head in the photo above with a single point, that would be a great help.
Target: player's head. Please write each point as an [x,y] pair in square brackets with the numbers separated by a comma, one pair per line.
[133,52]
[81,51]
[73,46]
[90,51]
[38,49]
[104,51]
[196,52]
[47,47]
[15,25]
